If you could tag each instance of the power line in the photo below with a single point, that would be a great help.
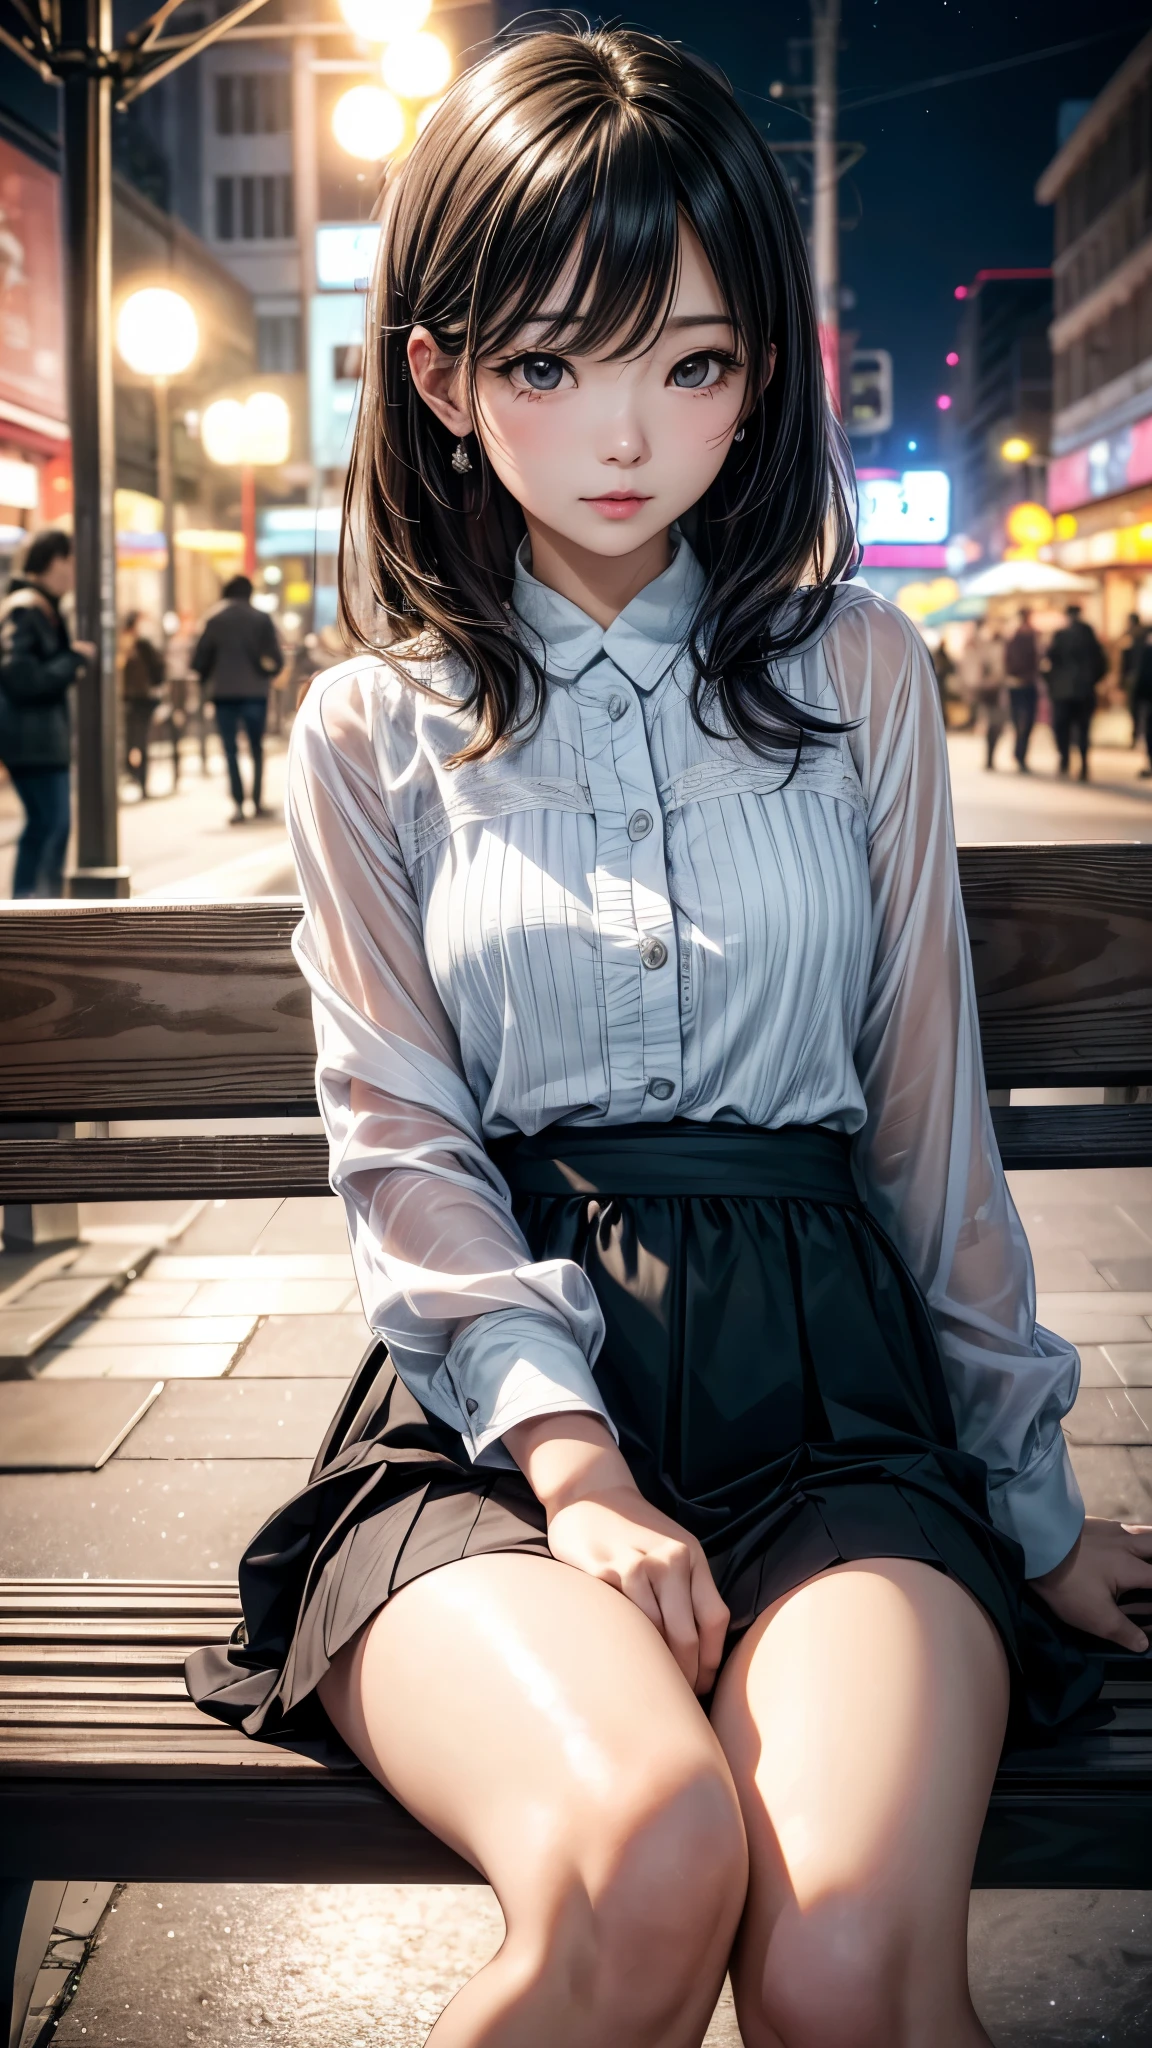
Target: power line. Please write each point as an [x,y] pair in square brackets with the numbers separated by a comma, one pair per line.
[900,92]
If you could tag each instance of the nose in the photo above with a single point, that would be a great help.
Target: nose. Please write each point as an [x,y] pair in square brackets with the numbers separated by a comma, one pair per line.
[622,439]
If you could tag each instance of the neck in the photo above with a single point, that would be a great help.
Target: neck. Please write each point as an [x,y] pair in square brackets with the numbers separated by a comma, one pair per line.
[602,585]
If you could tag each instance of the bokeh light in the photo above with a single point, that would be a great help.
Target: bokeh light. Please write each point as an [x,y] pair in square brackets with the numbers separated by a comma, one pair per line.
[156,333]
[368,123]
[416,67]
[380,21]
[951,359]
[943,403]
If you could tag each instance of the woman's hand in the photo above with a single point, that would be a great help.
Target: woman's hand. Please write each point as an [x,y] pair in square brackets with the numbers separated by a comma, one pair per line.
[1108,1558]
[600,1522]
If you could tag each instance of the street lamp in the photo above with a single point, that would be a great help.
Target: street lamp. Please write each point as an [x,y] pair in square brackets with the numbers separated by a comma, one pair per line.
[416,67]
[255,434]
[368,123]
[157,336]
[380,21]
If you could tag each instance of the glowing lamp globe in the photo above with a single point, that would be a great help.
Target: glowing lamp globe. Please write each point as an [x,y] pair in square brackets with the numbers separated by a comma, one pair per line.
[1030,526]
[255,435]
[381,21]
[416,67]
[1015,449]
[222,432]
[368,123]
[156,333]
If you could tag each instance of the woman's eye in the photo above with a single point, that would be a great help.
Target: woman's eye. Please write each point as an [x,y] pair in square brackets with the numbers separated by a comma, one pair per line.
[541,373]
[697,373]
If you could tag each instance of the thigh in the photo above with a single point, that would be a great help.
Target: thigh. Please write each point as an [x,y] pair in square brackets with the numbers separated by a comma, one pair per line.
[862,1717]
[526,1713]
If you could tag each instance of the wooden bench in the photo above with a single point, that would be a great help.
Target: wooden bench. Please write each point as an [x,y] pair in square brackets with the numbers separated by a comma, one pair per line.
[126,1011]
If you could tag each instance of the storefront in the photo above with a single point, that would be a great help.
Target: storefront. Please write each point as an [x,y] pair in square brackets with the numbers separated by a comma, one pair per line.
[35,469]
[1101,496]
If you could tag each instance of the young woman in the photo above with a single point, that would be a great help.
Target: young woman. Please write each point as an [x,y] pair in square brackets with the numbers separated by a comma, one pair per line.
[669,1562]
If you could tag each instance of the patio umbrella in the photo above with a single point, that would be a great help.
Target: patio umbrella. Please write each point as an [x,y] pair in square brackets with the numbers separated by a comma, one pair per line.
[1028,578]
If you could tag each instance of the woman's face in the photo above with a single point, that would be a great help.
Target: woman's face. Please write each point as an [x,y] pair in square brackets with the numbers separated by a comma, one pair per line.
[606,454]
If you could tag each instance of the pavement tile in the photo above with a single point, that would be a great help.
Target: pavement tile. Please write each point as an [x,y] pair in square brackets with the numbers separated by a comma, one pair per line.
[1102,1325]
[151,1298]
[1131,1186]
[1112,1483]
[1141,1400]
[1099,1229]
[1096,1369]
[279,1266]
[1131,1362]
[135,1223]
[52,1428]
[107,1333]
[118,1261]
[140,1362]
[1127,1275]
[141,1521]
[305,1223]
[1064,1268]
[1105,1416]
[235,1419]
[229,1226]
[1062,1969]
[24,1331]
[272,1297]
[328,1347]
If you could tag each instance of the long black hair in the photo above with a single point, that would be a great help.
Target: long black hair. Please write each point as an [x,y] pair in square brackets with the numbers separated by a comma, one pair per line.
[599,144]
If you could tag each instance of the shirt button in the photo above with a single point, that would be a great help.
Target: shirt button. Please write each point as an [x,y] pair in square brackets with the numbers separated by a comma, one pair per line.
[662,1089]
[472,1406]
[617,706]
[653,952]
[639,824]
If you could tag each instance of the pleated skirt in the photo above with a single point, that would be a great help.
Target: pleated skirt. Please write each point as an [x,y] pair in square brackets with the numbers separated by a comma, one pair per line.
[774,1376]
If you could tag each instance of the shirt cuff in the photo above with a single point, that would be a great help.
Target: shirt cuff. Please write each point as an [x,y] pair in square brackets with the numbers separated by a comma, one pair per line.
[1041,1507]
[510,1366]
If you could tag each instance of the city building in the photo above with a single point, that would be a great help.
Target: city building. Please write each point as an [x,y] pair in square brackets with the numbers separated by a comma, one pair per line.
[996,434]
[1100,475]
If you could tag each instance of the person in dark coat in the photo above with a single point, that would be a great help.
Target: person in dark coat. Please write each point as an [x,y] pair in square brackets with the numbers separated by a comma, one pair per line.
[1076,662]
[39,663]
[236,657]
[1130,660]
[1022,664]
[1139,684]
[142,684]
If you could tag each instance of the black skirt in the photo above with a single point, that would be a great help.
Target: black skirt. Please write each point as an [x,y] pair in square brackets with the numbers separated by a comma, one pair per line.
[774,1375]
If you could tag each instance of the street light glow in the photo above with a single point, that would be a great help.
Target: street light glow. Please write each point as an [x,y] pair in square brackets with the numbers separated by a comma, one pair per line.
[426,113]
[255,434]
[1015,449]
[156,333]
[381,21]
[417,67]
[368,123]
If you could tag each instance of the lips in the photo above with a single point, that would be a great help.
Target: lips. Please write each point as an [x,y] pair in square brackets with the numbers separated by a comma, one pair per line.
[618,504]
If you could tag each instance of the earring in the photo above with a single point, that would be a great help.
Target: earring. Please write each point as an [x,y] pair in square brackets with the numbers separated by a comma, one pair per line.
[461,460]
[739,434]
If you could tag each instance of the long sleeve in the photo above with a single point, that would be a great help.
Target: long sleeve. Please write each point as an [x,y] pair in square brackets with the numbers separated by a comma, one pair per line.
[28,675]
[482,1335]
[927,1156]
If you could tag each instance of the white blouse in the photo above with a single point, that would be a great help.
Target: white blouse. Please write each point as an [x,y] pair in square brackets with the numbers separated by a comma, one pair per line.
[618,920]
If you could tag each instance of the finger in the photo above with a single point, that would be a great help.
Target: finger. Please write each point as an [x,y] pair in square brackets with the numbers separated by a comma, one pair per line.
[672,1585]
[633,1583]
[712,1618]
[1124,1632]
[1129,1571]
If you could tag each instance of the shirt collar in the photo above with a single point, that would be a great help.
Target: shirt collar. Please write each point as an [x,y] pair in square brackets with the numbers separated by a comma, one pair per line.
[643,640]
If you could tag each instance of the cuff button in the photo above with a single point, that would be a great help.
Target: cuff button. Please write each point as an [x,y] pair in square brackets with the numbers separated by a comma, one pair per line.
[472,1406]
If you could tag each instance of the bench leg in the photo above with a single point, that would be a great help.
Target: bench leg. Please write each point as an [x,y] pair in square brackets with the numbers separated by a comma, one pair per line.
[27,1916]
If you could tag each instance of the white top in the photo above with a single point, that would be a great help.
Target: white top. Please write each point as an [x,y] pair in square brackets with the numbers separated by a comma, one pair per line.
[622,920]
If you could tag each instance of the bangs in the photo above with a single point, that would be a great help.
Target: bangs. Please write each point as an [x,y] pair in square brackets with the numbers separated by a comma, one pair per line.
[591,239]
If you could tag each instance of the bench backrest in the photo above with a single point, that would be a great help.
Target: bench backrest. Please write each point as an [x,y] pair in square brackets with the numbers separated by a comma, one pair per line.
[145,1010]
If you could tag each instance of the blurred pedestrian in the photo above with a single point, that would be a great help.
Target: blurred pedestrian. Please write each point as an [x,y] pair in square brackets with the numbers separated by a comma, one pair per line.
[1076,662]
[39,662]
[142,685]
[1022,663]
[1132,647]
[944,669]
[1140,695]
[983,685]
[236,658]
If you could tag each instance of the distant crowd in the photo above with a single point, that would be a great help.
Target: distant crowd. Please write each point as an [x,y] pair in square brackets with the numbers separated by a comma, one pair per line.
[1003,677]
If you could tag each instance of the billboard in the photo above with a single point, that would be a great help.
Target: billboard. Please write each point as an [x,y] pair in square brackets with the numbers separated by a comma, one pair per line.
[335,359]
[1108,465]
[904,509]
[31,288]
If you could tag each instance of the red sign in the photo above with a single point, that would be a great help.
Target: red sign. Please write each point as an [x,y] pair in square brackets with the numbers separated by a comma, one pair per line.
[31,298]
[1113,463]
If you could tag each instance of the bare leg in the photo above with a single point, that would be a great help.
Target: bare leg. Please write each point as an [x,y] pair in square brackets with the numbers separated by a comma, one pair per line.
[533,1718]
[862,1717]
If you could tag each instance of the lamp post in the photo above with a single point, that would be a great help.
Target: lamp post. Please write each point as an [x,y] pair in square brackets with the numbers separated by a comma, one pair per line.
[247,435]
[157,336]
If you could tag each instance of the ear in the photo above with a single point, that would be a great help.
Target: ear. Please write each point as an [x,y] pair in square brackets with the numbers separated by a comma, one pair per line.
[439,379]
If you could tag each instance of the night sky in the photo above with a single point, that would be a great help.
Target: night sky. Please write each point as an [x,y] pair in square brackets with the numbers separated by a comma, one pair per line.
[946,185]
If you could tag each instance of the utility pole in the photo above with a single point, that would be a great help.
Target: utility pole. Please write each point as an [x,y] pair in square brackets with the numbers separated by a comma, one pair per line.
[826,188]
[84,64]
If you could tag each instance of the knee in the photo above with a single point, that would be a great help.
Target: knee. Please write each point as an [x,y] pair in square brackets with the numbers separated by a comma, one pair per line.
[648,1915]
[829,1976]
